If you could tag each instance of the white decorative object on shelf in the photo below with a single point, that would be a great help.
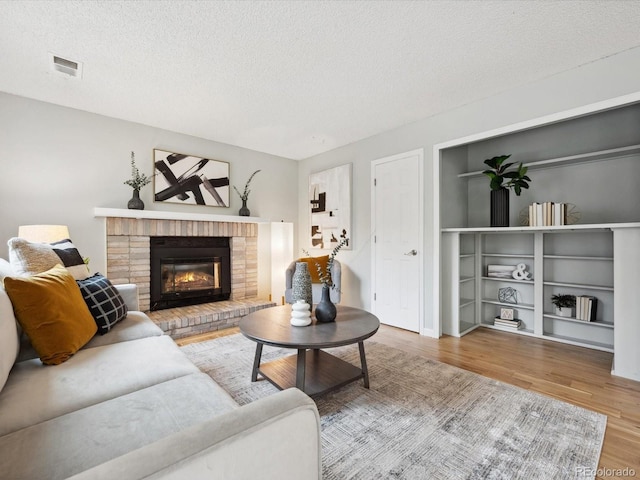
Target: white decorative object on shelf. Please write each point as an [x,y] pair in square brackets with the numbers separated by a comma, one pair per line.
[520,273]
[300,314]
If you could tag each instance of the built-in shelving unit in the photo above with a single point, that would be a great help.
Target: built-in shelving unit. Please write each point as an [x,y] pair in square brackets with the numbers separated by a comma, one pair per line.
[591,160]
[553,272]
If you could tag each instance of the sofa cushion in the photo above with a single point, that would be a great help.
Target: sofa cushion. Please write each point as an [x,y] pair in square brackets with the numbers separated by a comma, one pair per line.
[71,258]
[74,442]
[9,338]
[52,313]
[105,303]
[136,325]
[35,393]
[27,258]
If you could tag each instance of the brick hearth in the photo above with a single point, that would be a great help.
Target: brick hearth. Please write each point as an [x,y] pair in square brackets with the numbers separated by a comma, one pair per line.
[185,321]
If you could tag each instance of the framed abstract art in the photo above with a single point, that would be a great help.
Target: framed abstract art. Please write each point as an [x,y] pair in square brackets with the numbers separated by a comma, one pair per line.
[330,207]
[190,180]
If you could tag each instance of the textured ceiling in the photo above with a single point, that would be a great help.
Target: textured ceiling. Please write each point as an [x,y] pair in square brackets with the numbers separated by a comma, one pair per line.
[296,78]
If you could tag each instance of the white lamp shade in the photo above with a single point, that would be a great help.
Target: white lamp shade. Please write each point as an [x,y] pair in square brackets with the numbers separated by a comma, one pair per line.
[43,233]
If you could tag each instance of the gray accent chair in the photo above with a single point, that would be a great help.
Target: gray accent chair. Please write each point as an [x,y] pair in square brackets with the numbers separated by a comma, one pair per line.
[316,288]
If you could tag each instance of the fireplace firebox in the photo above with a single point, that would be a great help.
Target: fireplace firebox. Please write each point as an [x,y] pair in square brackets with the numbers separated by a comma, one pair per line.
[189,270]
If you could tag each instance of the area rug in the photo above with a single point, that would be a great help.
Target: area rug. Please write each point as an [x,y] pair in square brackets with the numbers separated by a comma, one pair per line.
[422,419]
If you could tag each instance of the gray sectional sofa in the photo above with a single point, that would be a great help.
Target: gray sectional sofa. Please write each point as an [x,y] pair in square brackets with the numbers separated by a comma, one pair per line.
[130,405]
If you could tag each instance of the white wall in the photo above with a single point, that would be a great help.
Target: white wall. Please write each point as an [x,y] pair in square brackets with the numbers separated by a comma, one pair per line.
[59,163]
[611,77]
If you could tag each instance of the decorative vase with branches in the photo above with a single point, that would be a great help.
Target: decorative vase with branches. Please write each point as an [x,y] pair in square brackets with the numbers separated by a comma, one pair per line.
[137,181]
[244,196]
[325,309]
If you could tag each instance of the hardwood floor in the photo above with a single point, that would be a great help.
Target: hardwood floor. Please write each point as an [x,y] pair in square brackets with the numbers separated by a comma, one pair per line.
[573,374]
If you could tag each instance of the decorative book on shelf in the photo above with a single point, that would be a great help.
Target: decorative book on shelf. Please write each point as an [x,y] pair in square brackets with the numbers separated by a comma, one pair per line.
[507,324]
[586,308]
[549,214]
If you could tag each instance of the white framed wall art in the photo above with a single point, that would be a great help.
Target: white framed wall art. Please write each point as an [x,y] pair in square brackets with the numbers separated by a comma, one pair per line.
[330,207]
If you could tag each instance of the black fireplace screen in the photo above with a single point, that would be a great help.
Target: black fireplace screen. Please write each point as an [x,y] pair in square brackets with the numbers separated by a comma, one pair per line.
[186,275]
[189,270]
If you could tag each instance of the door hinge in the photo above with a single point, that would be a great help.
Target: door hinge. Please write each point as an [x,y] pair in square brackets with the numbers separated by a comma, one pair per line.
[374,296]
[375,182]
[375,239]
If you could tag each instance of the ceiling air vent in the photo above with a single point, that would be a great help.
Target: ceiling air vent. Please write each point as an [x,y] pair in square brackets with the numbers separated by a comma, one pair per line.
[65,66]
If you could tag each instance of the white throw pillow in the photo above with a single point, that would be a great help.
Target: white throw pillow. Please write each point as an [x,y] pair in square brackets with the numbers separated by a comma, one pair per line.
[9,339]
[5,269]
[30,258]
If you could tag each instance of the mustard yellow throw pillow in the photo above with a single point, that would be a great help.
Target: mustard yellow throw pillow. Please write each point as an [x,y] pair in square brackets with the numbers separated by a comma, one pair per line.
[313,268]
[52,312]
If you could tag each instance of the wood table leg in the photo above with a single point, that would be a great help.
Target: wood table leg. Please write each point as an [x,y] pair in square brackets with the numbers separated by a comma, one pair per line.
[300,368]
[363,361]
[256,362]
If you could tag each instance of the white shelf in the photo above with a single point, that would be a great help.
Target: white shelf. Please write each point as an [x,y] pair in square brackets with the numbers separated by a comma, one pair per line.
[163,215]
[582,322]
[465,302]
[466,327]
[510,280]
[507,255]
[466,279]
[468,255]
[572,159]
[526,306]
[557,228]
[577,257]
[605,347]
[579,285]
[519,331]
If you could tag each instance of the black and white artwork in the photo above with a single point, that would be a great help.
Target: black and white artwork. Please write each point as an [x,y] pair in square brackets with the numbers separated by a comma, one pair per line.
[190,180]
[330,207]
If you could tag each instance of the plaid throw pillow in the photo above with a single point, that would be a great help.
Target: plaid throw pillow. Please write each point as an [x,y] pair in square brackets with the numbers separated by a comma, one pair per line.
[104,301]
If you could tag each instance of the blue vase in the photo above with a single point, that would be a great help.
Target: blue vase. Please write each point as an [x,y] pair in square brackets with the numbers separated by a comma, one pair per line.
[325,310]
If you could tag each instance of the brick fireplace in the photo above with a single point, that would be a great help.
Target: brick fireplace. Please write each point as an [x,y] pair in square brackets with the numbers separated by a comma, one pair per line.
[128,250]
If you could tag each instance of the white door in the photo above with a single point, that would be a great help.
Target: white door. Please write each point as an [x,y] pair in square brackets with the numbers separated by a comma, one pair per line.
[397,222]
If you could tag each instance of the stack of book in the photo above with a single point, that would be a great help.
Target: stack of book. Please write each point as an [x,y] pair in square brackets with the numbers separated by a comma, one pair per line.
[547,214]
[507,324]
[586,307]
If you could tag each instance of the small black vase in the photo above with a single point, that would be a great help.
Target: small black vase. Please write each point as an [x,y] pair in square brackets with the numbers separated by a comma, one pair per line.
[135,203]
[244,211]
[325,310]
[500,208]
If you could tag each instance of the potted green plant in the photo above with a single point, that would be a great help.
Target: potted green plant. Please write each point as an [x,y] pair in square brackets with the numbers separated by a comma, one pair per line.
[502,179]
[564,304]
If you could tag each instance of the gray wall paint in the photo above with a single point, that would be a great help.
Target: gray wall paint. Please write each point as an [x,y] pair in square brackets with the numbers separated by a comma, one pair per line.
[59,163]
[610,77]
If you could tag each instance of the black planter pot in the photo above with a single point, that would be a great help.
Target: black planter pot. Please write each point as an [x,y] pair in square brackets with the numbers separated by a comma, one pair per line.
[325,310]
[500,208]
[244,211]
[135,203]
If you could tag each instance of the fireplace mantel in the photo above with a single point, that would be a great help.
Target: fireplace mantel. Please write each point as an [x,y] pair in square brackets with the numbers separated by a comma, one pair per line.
[128,245]
[163,215]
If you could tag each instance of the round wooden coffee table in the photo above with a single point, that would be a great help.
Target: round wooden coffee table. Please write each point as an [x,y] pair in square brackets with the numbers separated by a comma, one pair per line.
[318,372]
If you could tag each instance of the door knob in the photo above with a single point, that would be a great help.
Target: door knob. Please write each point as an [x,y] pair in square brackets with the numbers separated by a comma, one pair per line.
[412,253]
